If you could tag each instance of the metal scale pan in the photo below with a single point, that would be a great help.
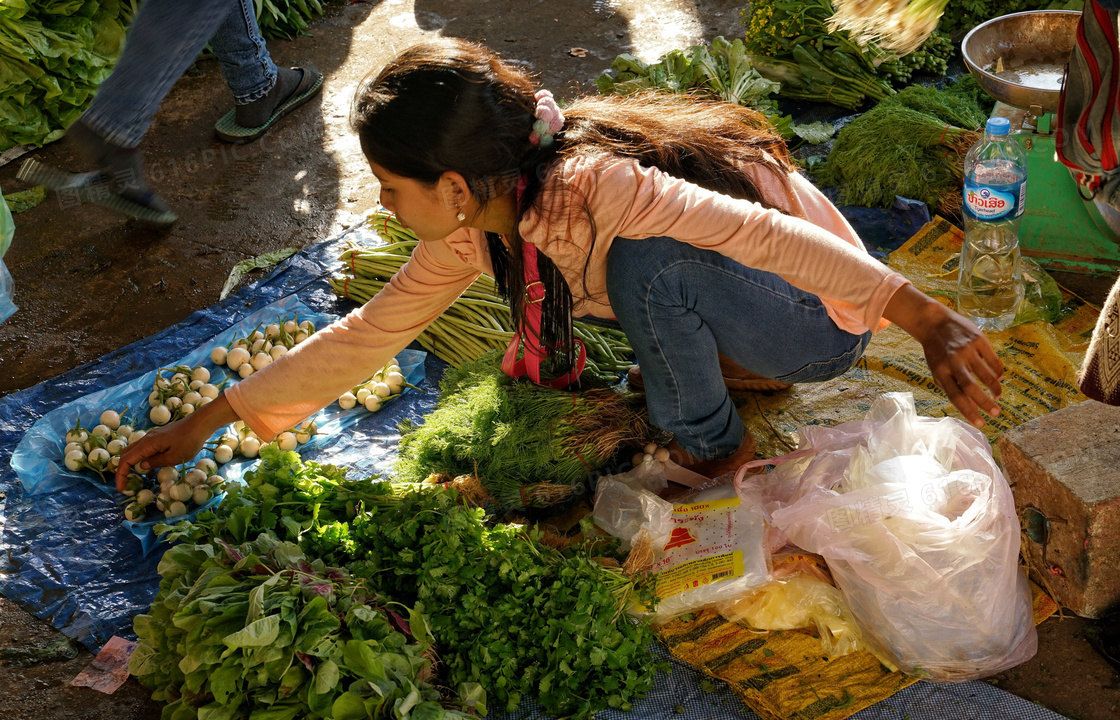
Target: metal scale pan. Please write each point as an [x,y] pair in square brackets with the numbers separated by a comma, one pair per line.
[1020,60]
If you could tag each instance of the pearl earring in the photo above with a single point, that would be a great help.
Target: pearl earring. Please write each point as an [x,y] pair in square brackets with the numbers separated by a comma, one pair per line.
[461,216]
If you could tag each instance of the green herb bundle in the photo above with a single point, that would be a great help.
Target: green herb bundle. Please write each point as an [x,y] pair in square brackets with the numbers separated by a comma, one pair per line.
[260,630]
[792,43]
[912,144]
[512,433]
[508,612]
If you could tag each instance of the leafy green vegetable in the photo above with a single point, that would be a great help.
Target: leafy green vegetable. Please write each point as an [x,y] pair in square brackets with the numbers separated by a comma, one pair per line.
[912,144]
[814,133]
[55,53]
[286,18]
[259,630]
[510,615]
[960,16]
[25,199]
[511,433]
[792,43]
[259,262]
[723,70]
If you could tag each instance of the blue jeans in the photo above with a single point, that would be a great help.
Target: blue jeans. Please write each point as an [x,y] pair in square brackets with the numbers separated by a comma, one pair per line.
[680,306]
[165,38]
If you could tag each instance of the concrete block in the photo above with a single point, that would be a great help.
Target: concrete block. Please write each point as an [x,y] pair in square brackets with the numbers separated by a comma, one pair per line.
[1064,471]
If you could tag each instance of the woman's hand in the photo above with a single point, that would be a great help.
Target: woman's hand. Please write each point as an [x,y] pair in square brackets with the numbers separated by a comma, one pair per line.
[960,358]
[175,443]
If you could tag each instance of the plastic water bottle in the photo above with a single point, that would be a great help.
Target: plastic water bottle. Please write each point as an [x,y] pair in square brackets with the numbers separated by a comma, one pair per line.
[990,285]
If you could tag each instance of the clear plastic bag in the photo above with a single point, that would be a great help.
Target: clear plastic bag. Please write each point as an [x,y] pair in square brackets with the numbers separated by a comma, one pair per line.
[919,529]
[7,286]
[706,547]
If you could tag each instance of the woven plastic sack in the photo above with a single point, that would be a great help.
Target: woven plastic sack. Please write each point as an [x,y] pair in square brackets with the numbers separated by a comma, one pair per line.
[918,527]
[7,286]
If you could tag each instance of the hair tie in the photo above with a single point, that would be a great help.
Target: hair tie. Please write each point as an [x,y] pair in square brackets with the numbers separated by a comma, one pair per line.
[549,119]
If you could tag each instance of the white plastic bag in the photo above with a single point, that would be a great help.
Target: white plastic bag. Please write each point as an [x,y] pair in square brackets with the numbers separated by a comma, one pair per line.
[707,547]
[7,286]
[919,529]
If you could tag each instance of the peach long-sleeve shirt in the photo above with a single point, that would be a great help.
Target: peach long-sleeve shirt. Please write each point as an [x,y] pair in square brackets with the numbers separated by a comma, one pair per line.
[812,247]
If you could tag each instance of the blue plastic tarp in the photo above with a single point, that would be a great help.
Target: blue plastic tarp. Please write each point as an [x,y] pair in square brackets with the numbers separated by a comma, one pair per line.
[66,554]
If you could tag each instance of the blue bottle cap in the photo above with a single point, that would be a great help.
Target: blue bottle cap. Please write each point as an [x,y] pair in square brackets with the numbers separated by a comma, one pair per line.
[998,126]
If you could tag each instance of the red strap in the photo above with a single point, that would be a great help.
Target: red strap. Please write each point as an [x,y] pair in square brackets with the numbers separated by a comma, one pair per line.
[530,332]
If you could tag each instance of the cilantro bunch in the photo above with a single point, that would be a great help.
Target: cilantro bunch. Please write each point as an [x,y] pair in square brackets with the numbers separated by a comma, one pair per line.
[516,616]
[260,630]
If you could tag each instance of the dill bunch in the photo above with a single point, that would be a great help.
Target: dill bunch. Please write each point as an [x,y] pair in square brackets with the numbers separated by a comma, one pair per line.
[519,439]
[912,144]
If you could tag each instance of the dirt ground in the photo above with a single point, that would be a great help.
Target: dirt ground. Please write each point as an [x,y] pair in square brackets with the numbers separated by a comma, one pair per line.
[87,282]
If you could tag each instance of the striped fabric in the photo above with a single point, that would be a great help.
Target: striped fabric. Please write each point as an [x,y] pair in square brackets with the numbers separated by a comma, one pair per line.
[1088,133]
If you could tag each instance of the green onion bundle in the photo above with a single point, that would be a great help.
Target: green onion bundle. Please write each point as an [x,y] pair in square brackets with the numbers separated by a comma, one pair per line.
[478,322]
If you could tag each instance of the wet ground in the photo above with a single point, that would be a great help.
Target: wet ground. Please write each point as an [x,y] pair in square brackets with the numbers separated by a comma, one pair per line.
[87,282]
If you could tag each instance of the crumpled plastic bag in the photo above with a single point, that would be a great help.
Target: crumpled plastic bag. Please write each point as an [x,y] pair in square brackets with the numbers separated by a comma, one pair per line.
[801,595]
[706,547]
[919,529]
[7,285]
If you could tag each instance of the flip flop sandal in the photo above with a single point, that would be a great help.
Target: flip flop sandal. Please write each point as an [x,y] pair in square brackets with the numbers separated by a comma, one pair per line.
[93,187]
[755,384]
[227,128]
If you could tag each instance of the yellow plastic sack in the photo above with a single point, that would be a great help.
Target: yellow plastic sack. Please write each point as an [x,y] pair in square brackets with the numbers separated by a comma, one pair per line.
[785,674]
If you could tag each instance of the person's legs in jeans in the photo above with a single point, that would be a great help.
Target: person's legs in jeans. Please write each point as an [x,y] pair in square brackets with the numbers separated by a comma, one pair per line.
[242,54]
[259,87]
[164,39]
[680,306]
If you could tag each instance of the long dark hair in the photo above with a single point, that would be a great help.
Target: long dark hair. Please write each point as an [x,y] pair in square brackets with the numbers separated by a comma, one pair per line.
[452,105]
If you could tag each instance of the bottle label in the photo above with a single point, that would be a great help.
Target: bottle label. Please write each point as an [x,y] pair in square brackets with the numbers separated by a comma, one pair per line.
[985,202]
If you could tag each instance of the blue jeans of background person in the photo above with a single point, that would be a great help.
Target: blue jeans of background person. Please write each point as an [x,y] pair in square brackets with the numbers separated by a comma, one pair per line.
[164,39]
[680,305]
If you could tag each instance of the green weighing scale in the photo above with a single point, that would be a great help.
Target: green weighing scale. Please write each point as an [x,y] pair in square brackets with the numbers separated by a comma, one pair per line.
[1020,60]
